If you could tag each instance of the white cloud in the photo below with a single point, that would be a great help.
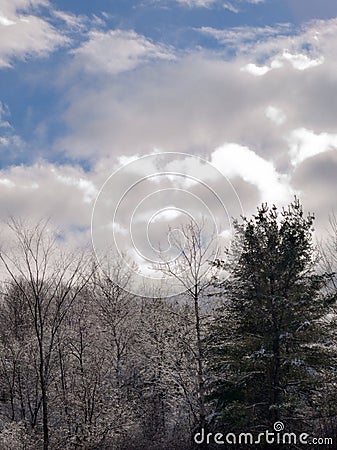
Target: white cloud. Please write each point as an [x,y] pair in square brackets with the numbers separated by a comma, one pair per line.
[276,45]
[10,142]
[117,51]
[4,141]
[168,214]
[244,38]
[300,61]
[86,186]
[304,144]
[117,228]
[236,160]
[6,22]
[23,34]
[253,69]
[4,111]
[276,115]
[6,182]
[197,3]
[200,102]
[73,21]
[208,3]
[63,193]
[230,7]
[188,3]
[10,7]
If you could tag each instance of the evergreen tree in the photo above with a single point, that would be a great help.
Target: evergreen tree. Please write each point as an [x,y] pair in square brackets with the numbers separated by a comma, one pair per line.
[267,345]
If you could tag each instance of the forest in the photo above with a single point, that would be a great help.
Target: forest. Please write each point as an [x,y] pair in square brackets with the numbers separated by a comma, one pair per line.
[248,344]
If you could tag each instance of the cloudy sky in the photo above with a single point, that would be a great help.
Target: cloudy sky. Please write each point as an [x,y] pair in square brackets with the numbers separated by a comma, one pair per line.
[248,85]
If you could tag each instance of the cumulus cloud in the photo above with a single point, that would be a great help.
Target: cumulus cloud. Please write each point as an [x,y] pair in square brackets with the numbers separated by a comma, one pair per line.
[276,45]
[235,160]
[253,69]
[316,181]
[168,214]
[300,61]
[24,34]
[63,193]
[276,121]
[198,103]
[194,106]
[304,144]
[259,107]
[276,115]
[11,6]
[117,51]
[6,22]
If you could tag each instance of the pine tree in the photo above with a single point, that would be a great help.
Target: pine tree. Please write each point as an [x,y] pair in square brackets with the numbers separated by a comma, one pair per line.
[267,345]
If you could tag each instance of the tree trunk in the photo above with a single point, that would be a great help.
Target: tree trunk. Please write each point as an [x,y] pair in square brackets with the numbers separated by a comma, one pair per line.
[44,402]
[201,383]
[276,379]
[45,419]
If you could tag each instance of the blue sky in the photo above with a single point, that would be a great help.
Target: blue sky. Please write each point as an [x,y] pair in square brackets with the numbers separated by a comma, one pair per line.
[84,85]
[29,87]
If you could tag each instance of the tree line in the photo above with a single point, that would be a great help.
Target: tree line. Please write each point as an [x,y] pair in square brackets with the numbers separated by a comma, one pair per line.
[251,342]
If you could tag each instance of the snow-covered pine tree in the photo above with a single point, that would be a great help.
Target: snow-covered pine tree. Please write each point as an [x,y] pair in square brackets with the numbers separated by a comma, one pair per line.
[267,346]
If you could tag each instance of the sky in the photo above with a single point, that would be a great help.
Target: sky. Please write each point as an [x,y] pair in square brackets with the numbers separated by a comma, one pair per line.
[248,86]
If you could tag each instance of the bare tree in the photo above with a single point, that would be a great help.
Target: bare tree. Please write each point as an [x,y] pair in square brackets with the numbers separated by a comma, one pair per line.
[49,282]
[329,252]
[192,269]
